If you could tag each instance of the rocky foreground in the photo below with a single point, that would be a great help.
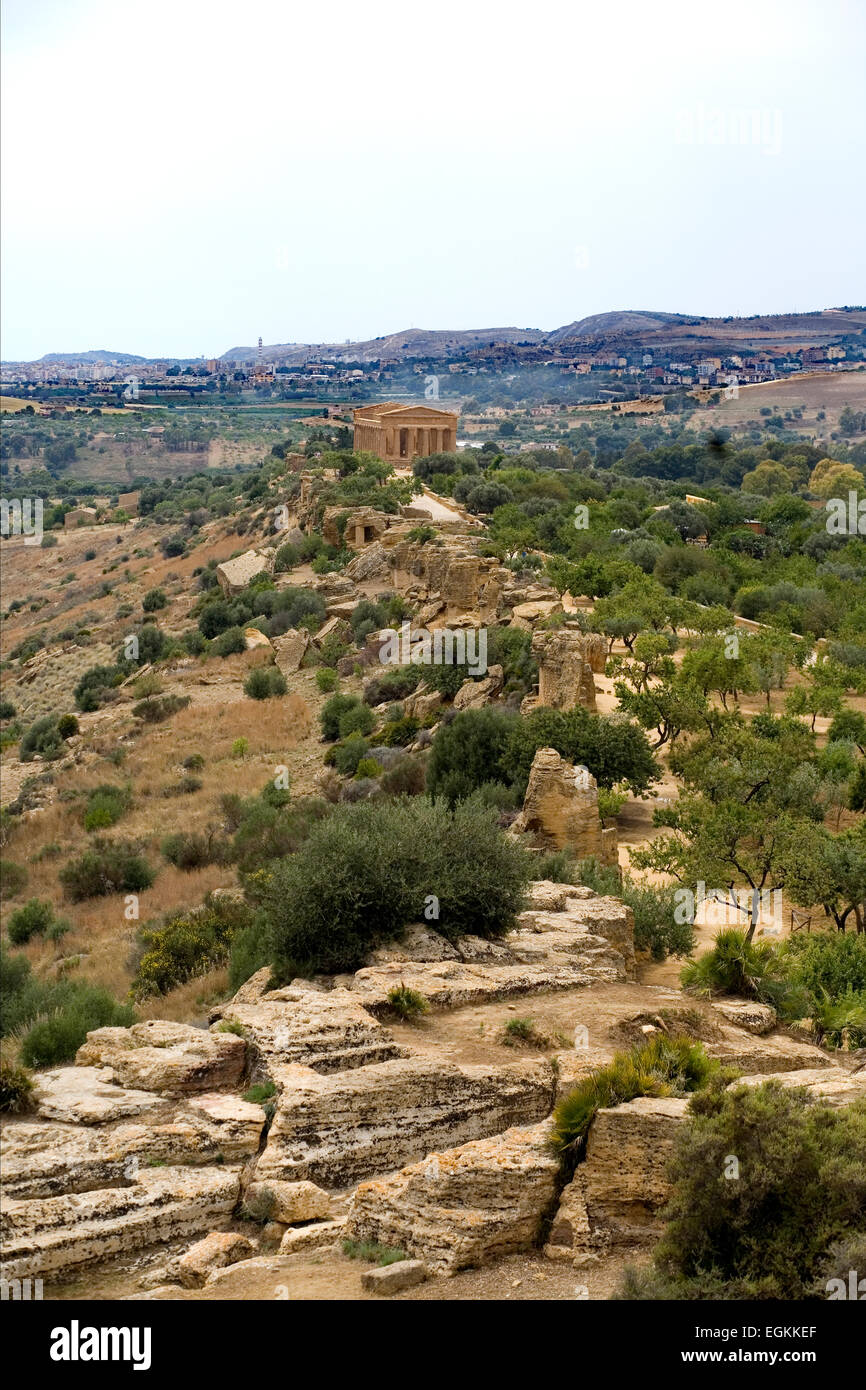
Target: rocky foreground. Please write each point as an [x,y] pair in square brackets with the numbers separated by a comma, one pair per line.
[371,1131]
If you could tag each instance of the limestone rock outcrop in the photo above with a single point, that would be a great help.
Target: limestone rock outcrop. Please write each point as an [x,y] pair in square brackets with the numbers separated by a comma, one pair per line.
[234,575]
[619,1189]
[465,1206]
[215,1251]
[461,579]
[474,694]
[289,649]
[560,809]
[171,1058]
[566,660]
[336,1129]
[329,1031]
[160,1204]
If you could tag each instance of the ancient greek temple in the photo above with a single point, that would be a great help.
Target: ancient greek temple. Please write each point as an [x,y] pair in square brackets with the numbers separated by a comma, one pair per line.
[399,433]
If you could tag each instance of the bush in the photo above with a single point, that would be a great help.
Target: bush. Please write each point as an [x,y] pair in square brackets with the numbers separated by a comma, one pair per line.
[661,1066]
[13,879]
[97,685]
[348,755]
[188,944]
[332,712]
[399,733]
[407,1004]
[264,683]
[78,1010]
[155,709]
[42,739]
[286,558]
[656,929]
[748,969]
[33,919]
[368,767]
[16,1088]
[406,778]
[110,866]
[188,850]
[357,720]
[105,806]
[249,952]
[369,869]
[67,726]
[264,832]
[366,617]
[230,642]
[395,683]
[777,1232]
[7,709]
[153,600]
[326,679]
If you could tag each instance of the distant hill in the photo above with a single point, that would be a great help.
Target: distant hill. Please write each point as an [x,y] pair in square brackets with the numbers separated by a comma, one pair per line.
[638,328]
[410,342]
[620,321]
[92,356]
[626,329]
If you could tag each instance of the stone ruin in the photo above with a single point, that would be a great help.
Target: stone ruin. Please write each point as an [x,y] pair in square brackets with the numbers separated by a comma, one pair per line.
[566,660]
[560,810]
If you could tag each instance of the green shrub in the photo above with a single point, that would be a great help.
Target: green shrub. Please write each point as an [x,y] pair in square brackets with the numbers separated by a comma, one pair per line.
[406,778]
[78,1010]
[522,1030]
[326,679]
[188,944]
[154,711]
[369,869]
[357,720]
[153,600]
[13,879]
[264,831]
[34,918]
[16,1088]
[261,1091]
[373,1252]
[264,683]
[105,806]
[332,712]
[777,1231]
[187,849]
[398,733]
[368,767]
[827,964]
[749,969]
[348,755]
[286,558]
[661,1066]
[97,686]
[395,683]
[408,1004]
[230,642]
[841,1022]
[42,739]
[67,726]
[250,952]
[110,866]
[7,709]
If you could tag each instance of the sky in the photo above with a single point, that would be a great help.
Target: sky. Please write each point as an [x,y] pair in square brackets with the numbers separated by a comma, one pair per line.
[182,176]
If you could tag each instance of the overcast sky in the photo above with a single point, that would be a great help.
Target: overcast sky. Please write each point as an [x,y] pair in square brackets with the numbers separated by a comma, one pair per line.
[181,176]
